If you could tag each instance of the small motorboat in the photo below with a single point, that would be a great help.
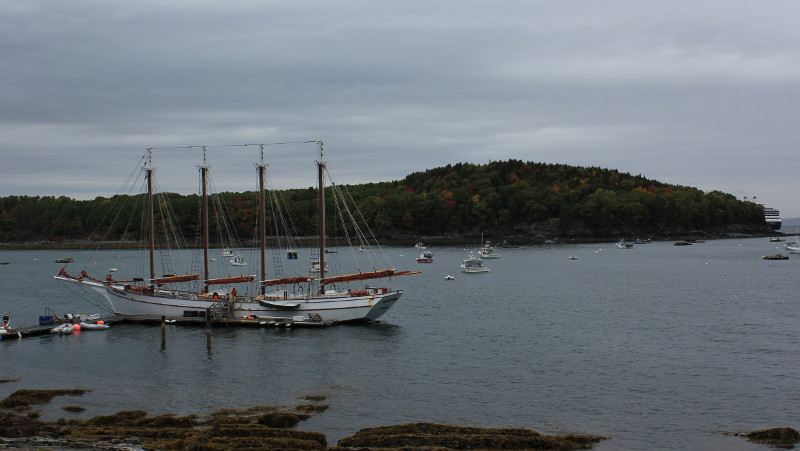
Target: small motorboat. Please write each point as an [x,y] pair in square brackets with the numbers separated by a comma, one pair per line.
[776,257]
[238,260]
[425,257]
[473,265]
[448,277]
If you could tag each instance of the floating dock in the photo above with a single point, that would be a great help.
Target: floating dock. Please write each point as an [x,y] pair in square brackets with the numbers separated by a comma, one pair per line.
[44,329]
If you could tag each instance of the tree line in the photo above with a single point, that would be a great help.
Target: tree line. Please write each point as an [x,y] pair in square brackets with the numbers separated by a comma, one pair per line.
[502,197]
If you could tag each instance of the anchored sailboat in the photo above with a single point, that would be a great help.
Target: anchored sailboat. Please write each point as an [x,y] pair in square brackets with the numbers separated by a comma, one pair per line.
[313,297]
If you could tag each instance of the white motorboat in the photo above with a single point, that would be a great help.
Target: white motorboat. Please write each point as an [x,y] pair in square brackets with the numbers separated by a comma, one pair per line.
[425,257]
[487,251]
[473,265]
[315,265]
[238,260]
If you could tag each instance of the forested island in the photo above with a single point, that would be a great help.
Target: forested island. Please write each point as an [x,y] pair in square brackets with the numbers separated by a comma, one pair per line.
[526,201]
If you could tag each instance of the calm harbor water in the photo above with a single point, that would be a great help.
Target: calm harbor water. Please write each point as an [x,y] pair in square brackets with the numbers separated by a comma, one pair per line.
[657,347]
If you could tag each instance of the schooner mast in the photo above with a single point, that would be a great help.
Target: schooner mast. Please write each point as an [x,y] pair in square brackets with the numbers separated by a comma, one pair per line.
[151,223]
[262,218]
[204,218]
[321,216]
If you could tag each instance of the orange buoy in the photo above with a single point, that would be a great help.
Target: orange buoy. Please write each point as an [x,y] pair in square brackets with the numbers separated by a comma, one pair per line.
[76,327]
[101,322]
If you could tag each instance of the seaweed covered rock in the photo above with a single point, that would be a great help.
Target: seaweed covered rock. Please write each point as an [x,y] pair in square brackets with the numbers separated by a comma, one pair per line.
[27,397]
[444,437]
[280,419]
[14,425]
[777,437]
[121,417]
[226,429]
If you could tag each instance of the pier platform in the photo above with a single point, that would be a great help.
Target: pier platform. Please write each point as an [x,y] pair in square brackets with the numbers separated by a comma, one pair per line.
[33,331]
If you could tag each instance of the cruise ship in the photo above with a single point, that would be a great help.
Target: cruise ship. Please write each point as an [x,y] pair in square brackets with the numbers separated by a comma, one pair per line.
[772,217]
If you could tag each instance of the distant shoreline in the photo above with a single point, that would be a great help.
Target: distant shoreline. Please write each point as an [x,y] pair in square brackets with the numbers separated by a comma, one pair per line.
[433,240]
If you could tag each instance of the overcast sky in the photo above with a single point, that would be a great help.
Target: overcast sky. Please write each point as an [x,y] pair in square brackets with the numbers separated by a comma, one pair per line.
[703,93]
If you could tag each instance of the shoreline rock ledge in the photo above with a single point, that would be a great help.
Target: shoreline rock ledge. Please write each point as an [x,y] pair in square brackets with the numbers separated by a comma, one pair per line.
[432,436]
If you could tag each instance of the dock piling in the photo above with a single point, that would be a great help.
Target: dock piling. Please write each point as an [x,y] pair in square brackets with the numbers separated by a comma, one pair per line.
[208,329]
[163,332]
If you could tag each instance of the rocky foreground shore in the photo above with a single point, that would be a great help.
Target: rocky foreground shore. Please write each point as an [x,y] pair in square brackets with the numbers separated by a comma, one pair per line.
[267,427]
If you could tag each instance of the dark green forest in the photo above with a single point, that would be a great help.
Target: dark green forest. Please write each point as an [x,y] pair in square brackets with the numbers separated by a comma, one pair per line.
[504,198]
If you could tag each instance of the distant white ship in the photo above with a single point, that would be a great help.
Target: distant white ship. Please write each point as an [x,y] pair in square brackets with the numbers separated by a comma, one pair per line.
[773,218]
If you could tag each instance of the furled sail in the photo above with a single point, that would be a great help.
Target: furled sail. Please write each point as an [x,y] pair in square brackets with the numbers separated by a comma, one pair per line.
[240,279]
[405,273]
[174,279]
[359,276]
[285,281]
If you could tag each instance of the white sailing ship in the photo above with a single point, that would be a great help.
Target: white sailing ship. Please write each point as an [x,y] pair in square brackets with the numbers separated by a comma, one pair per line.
[300,297]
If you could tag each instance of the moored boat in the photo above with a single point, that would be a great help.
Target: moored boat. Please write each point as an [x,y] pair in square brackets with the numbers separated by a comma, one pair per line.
[319,297]
[473,265]
[64,328]
[487,251]
[238,260]
[776,257]
[425,257]
[93,326]
[622,244]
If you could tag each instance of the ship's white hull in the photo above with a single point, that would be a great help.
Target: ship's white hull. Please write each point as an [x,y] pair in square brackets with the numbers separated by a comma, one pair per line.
[334,307]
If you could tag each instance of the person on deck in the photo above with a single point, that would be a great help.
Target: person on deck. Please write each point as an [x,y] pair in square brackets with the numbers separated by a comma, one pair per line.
[6,319]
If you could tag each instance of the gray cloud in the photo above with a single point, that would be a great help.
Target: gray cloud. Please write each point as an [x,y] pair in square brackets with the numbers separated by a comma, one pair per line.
[695,93]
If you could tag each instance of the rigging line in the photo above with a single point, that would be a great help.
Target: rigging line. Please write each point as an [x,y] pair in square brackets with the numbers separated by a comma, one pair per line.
[286,221]
[127,185]
[347,200]
[113,213]
[81,291]
[233,145]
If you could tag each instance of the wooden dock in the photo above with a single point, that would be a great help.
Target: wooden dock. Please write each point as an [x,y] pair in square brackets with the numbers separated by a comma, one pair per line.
[34,331]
